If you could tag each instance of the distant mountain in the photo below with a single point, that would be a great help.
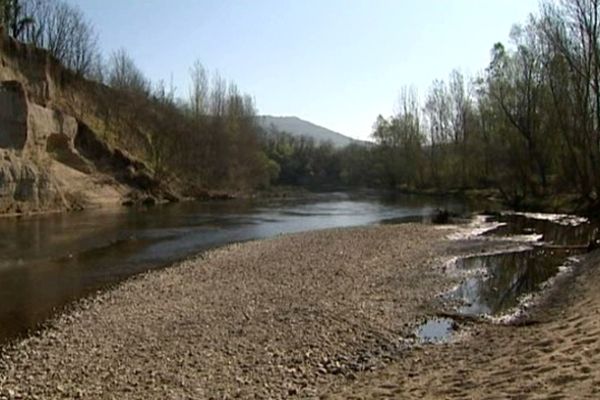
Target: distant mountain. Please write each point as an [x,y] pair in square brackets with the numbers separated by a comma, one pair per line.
[299,127]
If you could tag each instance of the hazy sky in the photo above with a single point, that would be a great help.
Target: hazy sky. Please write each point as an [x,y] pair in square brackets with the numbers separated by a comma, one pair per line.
[337,63]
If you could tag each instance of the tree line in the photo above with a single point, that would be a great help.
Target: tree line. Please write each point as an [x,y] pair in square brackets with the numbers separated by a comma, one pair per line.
[208,139]
[528,126]
[302,161]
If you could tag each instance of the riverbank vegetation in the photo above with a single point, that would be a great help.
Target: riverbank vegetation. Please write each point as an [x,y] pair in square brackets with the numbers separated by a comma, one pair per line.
[528,127]
[207,139]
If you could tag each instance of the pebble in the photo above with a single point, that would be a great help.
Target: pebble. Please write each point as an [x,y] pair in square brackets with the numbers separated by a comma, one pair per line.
[247,320]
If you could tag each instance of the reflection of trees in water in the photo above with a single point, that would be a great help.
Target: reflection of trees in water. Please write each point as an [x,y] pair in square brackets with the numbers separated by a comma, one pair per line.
[552,231]
[509,276]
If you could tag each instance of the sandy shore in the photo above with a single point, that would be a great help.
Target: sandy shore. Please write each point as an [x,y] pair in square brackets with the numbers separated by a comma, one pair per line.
[557,357]
[312,315]
[283,317]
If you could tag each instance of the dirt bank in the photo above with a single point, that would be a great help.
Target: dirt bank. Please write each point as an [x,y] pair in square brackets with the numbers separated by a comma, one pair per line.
[289,316]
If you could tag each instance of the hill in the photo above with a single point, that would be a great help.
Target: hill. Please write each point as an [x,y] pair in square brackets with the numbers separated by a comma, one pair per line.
[299,127]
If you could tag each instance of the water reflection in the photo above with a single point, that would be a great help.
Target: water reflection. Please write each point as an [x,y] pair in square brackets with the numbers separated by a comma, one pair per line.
[553,233]
[48,261]
[436,330]
[499,281]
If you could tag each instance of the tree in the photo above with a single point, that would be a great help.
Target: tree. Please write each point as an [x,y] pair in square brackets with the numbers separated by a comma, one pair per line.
[460,115]
[400,139]
[63,30]
[14,17]
[123,74]
[199,91]
[570,31]
[437,113]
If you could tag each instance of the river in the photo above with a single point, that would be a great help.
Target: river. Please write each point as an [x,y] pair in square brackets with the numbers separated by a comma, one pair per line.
[47,262]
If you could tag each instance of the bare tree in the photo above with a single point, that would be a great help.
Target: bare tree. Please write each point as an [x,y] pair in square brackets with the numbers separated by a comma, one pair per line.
[199,91]
[14,17]
[572,30]
[123,74]
[437,112]
[63,30]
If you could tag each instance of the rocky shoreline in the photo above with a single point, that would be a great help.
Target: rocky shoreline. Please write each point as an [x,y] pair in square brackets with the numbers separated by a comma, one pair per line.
[326,314]
[267,319]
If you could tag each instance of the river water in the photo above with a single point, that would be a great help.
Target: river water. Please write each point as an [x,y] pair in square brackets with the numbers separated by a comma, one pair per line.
[46,262]
[501,285]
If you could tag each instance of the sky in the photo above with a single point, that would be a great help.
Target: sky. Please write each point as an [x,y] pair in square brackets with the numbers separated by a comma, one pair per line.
[336,63]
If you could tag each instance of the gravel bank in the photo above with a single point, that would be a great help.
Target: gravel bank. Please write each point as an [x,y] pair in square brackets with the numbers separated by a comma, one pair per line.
[285,317]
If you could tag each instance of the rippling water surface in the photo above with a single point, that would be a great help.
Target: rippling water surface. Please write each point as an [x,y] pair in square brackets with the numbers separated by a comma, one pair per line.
[48,261]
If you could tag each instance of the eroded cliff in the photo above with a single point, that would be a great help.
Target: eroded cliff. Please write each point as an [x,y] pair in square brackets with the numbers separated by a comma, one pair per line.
[52,157]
